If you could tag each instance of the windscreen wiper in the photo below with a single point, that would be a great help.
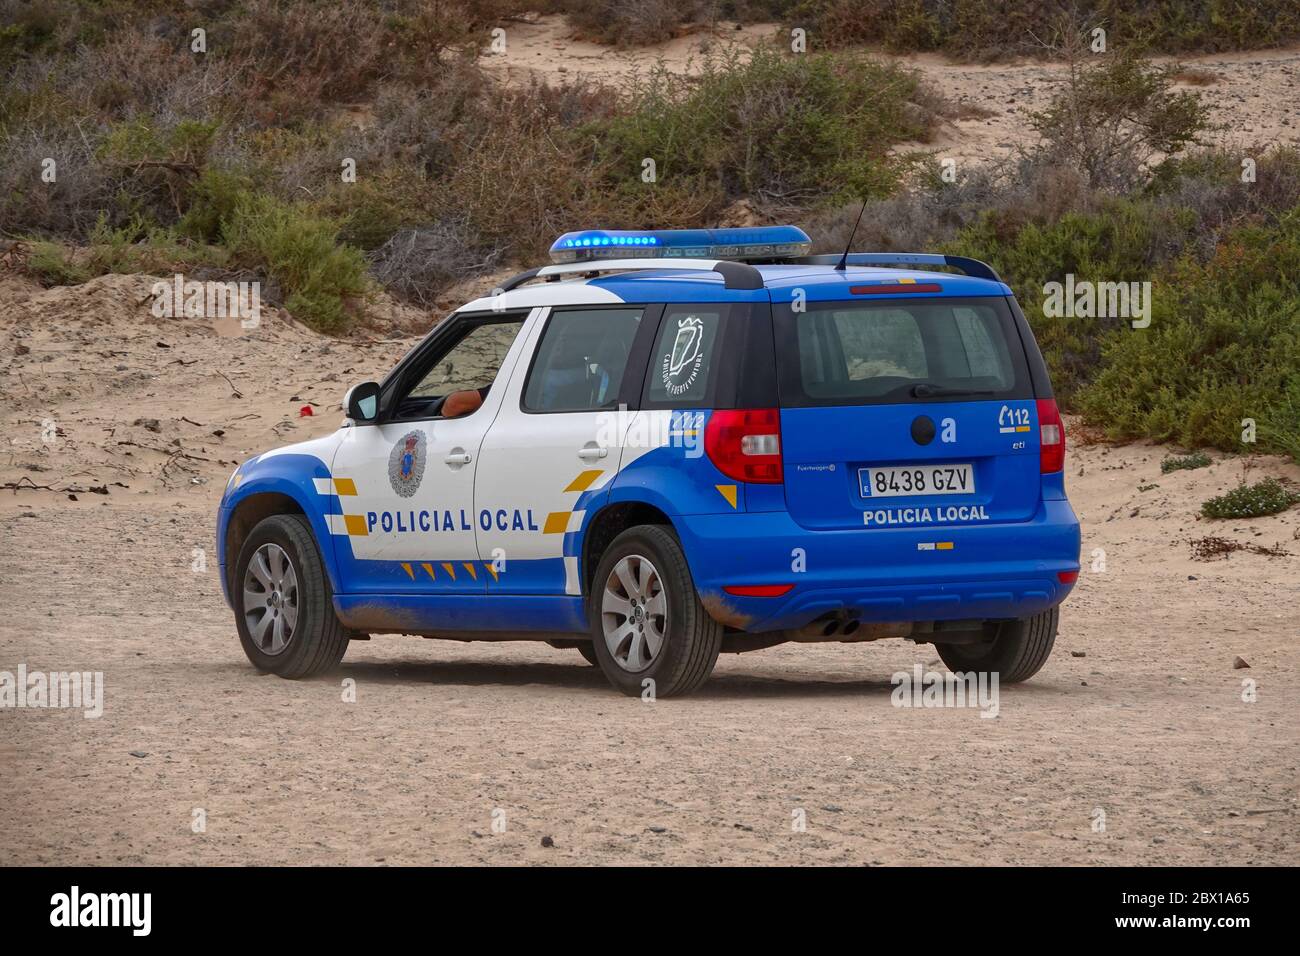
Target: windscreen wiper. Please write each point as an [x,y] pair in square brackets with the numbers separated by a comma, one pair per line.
[926,390]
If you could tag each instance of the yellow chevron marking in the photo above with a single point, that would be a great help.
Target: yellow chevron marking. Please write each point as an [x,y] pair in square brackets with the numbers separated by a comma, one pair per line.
[470,568]
[407,568]
[584,480]
[428,569]
[944,545]
[345,486]
[1022,428]
[907,281]
[491,570]
[728,492]
[556,522]
[450,569]
[356,525]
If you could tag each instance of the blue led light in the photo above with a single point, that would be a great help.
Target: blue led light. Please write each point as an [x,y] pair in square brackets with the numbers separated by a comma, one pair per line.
[761,242]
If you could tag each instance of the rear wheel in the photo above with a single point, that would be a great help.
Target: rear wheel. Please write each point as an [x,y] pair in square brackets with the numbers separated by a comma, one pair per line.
[1017,653]
[647,622]
[283,604]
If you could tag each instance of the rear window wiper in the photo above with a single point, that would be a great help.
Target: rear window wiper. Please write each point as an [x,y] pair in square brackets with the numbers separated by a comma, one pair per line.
[926,390]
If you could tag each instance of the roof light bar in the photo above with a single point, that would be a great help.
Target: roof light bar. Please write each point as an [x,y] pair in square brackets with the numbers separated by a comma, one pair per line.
[763,242]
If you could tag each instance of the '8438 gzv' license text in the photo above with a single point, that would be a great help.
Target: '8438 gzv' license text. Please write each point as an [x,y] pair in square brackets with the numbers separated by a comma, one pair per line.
[901,481]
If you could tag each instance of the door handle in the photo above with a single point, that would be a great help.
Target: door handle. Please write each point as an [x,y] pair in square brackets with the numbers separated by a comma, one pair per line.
[458,456]
[592,452]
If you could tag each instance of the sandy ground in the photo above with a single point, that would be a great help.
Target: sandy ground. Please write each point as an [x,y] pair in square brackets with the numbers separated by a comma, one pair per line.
[1147,723]
[1245,92]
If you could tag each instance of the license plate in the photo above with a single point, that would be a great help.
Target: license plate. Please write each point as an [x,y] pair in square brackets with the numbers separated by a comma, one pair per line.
[904,481]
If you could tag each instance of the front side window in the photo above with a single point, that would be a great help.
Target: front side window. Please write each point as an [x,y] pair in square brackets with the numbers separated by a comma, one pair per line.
[458,379]
[581,360]
[472,363]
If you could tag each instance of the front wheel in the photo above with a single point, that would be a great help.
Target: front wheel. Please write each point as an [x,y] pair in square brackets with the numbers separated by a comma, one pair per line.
[647,622]
[284,609]
[1016,654]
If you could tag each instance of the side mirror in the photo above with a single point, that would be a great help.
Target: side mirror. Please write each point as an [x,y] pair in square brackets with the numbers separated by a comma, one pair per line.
[361,403]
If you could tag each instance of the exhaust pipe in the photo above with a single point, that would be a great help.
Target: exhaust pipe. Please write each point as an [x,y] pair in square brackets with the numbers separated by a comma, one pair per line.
[839,627]
[847,627]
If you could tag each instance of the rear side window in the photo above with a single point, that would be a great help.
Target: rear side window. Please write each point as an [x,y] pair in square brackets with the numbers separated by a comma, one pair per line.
[581,360]
[681,362]
[900,351]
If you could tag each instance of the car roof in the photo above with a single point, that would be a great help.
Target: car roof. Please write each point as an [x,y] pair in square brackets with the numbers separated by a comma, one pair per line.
[781,282]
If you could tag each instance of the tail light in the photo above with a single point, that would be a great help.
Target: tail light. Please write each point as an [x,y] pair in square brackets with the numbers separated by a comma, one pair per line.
[745,444]
[1051,441]
[895,288]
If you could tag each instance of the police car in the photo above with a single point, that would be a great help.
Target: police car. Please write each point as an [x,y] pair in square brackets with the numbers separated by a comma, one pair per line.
[666,445]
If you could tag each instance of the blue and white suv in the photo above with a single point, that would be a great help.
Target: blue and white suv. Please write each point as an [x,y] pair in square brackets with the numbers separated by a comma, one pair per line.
[671,444]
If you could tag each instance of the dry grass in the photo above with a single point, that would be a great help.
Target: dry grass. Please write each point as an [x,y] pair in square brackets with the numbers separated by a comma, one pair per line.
[1212,547]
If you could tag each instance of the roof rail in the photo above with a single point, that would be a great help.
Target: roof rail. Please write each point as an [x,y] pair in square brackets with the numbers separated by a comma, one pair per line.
[971,267]
[735,275]
[516,280]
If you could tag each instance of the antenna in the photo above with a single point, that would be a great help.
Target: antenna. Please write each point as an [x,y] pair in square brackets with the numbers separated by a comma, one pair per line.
[844,259]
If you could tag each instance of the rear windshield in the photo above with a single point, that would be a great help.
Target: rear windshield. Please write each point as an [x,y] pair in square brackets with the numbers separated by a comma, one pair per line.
[899,350]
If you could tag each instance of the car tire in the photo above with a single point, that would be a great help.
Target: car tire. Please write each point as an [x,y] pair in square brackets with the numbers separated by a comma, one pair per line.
[588,652]
[1016,654]
[650,558]
[288,585]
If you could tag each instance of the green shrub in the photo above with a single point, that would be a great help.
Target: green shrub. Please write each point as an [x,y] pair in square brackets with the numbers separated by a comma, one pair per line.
[1197,459]
[1280,428]
[186,143]
[1115,115]
[132,248]
[27,28]
[50,265]
[1123,242]
[212,203]
[631,24]
[377,205]
[140,247]
[803,130]
[300,251]
[1267,497]
[1194,378]
[1223,346]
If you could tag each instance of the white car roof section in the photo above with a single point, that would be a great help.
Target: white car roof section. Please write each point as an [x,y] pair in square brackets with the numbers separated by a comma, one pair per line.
[573,292]
[579,292]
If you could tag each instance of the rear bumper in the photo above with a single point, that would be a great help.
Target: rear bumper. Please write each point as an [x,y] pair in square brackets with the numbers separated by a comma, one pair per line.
[944,573]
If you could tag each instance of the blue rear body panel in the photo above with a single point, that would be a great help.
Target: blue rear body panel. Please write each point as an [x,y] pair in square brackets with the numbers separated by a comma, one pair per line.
[990,572]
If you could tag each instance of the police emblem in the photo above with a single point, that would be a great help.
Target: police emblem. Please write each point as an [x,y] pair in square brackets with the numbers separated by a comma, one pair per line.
[406,463]
[681,366]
